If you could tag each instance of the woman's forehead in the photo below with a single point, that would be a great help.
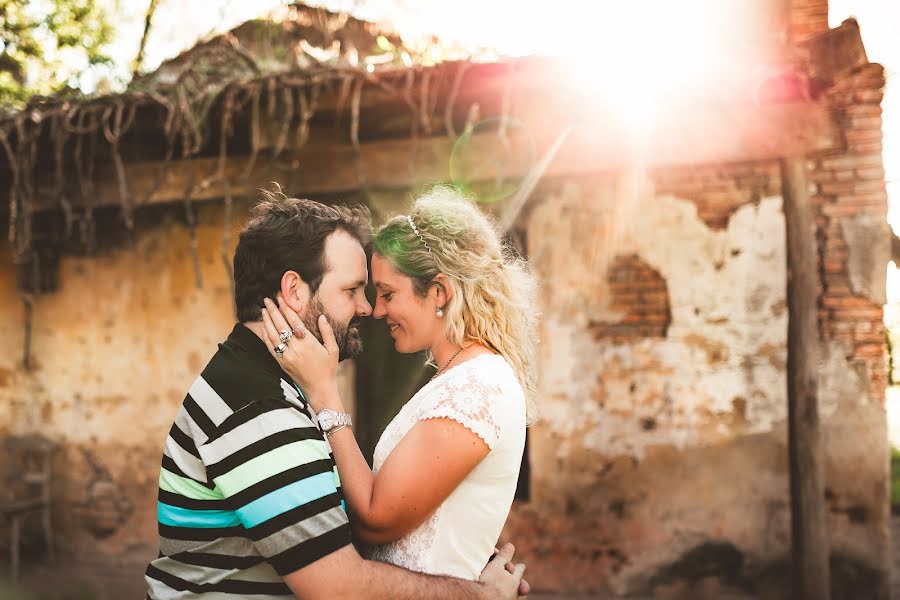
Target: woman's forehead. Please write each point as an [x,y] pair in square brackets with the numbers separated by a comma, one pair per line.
[383,272]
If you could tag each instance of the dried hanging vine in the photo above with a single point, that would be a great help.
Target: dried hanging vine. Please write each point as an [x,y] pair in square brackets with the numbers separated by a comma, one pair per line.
[85,136]
[279,108]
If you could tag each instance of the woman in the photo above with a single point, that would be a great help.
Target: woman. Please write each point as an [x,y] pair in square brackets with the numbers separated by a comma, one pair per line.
[446,468]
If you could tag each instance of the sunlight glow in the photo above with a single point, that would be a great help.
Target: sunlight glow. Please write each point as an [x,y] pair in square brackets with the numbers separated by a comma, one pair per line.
[635,62]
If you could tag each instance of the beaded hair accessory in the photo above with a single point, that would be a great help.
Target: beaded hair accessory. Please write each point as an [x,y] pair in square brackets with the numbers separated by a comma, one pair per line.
[415,229]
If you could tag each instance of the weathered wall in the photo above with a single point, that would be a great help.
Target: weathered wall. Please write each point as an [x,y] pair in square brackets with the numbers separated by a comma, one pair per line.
[660,463]
[114,351]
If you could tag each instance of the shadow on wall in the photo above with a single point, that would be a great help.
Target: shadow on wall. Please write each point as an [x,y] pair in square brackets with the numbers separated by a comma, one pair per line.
[714,571]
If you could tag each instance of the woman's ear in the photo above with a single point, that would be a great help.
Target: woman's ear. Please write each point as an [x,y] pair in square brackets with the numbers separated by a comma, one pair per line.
[442,289]
[295,292]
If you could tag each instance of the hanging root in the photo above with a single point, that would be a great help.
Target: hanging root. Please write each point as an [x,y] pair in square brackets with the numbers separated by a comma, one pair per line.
[116,122]
[451,99]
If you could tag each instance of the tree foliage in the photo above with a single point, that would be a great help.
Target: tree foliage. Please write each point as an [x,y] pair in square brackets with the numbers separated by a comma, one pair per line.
[45,44]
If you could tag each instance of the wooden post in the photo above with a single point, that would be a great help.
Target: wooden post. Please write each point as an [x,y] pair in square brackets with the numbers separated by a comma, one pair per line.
[810,542]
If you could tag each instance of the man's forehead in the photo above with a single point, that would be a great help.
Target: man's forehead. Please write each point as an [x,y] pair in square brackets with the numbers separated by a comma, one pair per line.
[345,258]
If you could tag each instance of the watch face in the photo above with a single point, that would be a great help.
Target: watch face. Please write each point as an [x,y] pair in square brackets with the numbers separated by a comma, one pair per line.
[326,420]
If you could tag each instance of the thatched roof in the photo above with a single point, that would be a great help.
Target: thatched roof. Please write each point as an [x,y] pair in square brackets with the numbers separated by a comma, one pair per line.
[262,75]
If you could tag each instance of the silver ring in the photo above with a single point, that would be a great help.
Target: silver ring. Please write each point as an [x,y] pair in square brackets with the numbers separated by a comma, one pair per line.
[285,335]
[279,350]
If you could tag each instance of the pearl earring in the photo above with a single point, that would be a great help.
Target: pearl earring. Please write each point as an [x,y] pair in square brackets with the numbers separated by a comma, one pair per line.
[440,313]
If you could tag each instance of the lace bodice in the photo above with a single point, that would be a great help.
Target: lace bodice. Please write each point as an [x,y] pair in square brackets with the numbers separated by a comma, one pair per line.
[458,538]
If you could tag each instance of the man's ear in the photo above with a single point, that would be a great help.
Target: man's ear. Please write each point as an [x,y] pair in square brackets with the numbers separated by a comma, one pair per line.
[443,291]
[295,292]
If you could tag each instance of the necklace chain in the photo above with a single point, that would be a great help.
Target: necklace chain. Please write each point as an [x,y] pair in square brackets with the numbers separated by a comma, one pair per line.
[447,364]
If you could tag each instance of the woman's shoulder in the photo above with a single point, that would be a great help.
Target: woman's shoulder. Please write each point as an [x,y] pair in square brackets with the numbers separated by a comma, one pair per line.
[484,379]
[487,369]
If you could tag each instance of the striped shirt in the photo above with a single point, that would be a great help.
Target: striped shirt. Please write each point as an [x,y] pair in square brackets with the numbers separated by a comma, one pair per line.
[248,489]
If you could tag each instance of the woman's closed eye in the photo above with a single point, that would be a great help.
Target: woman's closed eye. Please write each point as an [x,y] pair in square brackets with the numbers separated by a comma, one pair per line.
[387,296]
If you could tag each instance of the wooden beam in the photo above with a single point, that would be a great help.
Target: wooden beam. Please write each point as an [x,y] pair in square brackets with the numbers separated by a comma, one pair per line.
[739,134]
[809,536]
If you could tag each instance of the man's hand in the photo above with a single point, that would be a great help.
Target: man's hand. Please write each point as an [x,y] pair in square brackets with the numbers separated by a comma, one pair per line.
[502,579]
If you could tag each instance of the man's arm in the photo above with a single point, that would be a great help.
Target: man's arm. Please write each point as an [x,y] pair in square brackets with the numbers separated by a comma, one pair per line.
[344,574]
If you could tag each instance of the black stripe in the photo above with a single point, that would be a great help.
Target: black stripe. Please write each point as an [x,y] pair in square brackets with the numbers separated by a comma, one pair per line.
[200,534]
[170,465]
[257,408]
[183,440]
[191,503]
[237,382]
[226,562]
[276,482]
[227,586]
[294,516]
[261,446]
[239,379]
[199,416]
[308,552]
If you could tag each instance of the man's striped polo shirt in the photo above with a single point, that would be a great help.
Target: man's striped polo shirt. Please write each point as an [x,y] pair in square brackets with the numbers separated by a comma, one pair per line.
[248,489]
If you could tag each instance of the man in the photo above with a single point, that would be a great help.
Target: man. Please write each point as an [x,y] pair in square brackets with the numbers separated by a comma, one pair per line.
[250,502]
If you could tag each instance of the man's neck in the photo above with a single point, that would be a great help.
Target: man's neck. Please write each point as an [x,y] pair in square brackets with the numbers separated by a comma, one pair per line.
[257,327]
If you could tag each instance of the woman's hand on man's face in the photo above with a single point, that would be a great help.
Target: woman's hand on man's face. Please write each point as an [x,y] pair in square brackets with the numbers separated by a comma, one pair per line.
[312,365]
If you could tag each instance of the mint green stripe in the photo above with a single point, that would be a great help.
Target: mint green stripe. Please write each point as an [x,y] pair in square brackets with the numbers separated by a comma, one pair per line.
[337,476]
[182,486]
[271,463]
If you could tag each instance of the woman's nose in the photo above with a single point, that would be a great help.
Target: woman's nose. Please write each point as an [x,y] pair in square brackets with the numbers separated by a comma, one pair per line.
[379,311]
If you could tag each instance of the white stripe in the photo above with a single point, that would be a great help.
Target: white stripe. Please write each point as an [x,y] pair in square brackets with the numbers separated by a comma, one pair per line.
[264,425]
[290,394]
[261,573]
[189,464]
[209,401]
[232,546]
[160,591]
[189,427]
[303,531]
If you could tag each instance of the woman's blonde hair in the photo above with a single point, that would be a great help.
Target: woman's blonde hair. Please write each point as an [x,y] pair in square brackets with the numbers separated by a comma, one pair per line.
[494,294]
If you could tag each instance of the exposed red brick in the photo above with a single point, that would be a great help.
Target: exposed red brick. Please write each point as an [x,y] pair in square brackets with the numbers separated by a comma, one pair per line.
[640,295]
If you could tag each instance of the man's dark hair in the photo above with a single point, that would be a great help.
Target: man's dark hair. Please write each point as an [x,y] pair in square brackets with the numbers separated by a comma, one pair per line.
[288,234]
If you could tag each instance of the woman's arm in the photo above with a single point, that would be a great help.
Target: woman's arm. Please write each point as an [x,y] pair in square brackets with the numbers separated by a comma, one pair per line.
[420,473]
[426,466]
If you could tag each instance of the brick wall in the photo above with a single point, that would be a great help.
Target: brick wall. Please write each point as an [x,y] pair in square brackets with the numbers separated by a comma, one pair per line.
[851,185]
[719,190]
[639,294]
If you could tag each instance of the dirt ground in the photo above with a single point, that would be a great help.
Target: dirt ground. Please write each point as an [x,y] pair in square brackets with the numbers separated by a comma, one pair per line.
[45,580]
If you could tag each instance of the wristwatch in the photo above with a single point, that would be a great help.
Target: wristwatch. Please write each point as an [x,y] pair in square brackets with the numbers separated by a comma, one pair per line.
[330,419]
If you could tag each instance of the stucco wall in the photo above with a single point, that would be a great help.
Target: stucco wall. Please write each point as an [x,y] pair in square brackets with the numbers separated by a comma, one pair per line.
[660,462]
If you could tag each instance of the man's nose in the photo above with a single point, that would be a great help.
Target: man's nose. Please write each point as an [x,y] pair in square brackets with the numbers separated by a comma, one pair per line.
[364,309]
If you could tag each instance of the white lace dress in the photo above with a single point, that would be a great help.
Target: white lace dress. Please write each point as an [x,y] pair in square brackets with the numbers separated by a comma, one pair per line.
[459,537]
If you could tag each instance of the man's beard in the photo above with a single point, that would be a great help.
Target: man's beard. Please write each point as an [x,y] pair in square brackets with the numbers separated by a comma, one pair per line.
[347,336]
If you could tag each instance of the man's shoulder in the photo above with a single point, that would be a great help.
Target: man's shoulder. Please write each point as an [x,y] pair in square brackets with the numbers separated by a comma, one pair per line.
[237,380]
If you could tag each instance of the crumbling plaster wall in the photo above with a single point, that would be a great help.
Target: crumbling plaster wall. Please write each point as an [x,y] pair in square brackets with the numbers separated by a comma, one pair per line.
[660,461]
